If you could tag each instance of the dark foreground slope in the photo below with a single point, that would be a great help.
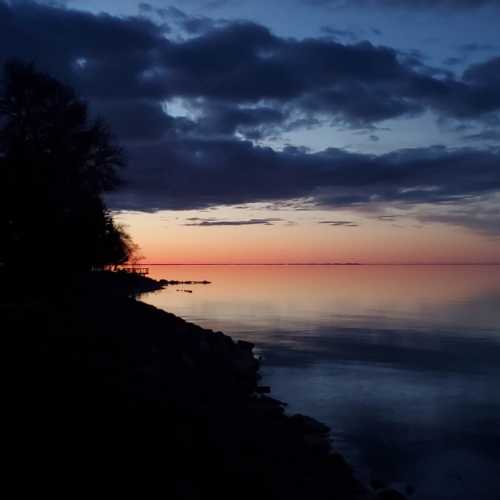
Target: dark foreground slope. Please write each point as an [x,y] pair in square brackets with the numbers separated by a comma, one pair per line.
[110,396]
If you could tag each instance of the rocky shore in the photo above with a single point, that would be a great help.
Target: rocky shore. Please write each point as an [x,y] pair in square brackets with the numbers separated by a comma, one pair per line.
[114,396]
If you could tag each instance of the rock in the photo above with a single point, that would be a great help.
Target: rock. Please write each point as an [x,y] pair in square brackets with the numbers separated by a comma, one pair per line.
[276,402]
[248,346]
[377,484]
[310,424]
[409,490]
[338,460]
[188,361]
[319,441]
[390,494]
[244,365]
[266,406]
[264,389]
[204,346]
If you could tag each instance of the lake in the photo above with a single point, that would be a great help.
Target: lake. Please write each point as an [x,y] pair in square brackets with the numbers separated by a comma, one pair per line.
[402,362]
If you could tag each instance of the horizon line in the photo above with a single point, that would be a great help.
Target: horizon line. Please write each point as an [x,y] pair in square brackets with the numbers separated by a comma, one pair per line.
[320,264]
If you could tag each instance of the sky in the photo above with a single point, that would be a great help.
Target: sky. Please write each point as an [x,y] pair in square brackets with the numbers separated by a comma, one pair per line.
[292,131]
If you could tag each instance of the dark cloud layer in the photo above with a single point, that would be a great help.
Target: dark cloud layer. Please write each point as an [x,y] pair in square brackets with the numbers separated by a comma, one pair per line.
[239,84]
[237,65]
[192,174]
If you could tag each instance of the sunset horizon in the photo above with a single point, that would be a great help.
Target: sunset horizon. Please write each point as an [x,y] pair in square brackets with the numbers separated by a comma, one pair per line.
[346,133]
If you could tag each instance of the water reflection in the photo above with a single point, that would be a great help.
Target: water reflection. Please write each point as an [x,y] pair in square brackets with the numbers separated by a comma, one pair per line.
[402,362]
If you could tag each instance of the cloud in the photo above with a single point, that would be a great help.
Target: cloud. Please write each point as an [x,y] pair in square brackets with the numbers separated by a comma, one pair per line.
[136,120]
[479,219]
[146,8]
[339,33]
[408,4]
[484,135]
[465,51]
[238,74]
[195,221]
[216,4]
[193,174]
[387,218]
[485,74]
[453,61]
[252,122]
[238,85]
[339,223]
[476,47]
[190,24]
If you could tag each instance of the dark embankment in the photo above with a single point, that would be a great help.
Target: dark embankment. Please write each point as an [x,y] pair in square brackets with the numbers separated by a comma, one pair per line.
[110,396]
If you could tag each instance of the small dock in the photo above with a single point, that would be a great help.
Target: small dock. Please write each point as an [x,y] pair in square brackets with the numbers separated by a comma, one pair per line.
[142,271]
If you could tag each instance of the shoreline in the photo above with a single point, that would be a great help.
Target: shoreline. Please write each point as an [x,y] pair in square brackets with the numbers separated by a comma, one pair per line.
[104,352]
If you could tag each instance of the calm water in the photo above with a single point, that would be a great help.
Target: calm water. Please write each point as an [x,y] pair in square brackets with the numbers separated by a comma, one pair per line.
[402,362]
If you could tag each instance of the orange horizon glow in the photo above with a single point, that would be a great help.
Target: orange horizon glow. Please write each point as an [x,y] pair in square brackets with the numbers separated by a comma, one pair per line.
[164,238]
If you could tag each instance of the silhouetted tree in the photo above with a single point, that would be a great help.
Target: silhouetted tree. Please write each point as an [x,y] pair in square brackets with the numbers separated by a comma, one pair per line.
[55,165]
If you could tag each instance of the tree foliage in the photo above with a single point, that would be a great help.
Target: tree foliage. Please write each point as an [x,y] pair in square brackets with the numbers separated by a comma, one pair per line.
[55,165]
